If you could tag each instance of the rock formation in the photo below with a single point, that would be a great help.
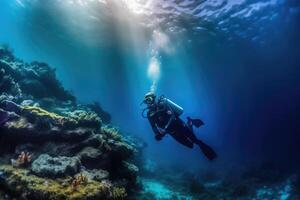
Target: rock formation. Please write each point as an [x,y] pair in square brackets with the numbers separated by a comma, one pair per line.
[64,139]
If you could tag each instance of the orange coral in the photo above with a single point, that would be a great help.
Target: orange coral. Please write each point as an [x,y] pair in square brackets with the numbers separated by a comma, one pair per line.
[23,159]
[79,180]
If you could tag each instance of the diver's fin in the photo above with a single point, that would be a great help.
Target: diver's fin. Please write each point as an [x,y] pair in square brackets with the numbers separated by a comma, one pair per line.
[209,153]
[197,122]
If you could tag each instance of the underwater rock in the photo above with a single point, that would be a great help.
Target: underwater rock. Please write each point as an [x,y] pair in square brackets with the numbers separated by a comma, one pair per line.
[97,174]
[196,187]
[89,155]
[34,88]
[39,116]
[6,97]
[30,187]
[51,148]
[264,174]
[10,106]
[27,147]
[105,116]
[129,170]
[154,189]
[29,102]
[7,84]
[241,190]
[47,166]
[46,75]
[6,116]
[123,150]
[37,124]
[36,79]
[5,50]
[94,140]
[85,119]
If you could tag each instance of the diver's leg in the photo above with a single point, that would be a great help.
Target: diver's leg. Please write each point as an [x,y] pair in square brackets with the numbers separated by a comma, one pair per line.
[188,132]
[182,129]
[175,130]
[182,139]
[207,150]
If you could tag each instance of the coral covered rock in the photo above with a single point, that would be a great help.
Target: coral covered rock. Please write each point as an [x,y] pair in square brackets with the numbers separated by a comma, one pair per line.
[105,116]
[129,170]
[67,143]
[22,183]
[7,84]
[47,166]
[89,155]
[10,106]
[97,174]
[85,119]
[6,116]
[123,149]
[36,79]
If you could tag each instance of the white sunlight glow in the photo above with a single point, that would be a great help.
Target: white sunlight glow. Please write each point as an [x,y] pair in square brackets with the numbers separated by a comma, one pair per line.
[159,42]
[154,69]
[154,73]
[86,19]
[135,6]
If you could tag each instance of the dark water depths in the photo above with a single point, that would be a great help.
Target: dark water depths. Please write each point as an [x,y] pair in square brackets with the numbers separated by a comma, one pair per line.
[234,64]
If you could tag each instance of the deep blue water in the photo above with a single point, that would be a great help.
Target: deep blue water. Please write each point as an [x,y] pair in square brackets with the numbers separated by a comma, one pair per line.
[234,64]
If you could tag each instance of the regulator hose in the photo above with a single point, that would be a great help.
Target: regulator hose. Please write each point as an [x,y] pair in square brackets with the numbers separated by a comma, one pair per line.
[143,112]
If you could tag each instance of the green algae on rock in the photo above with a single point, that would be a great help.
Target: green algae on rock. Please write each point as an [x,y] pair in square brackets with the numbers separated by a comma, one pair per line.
[21,182]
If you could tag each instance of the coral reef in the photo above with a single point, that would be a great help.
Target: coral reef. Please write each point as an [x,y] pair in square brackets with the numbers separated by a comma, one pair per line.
[85,119]
[72,155]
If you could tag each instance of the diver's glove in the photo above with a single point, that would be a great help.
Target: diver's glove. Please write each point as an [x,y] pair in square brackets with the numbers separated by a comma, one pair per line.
[159,136]
[194,122]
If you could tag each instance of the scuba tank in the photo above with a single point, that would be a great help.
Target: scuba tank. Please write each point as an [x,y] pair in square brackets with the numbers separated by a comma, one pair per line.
[177,110]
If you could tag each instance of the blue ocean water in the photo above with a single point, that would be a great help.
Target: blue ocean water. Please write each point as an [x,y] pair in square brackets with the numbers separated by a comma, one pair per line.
[232,63]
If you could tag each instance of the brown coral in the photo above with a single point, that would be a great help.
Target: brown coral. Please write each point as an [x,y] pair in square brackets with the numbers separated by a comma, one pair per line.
[23,160]
[80,179]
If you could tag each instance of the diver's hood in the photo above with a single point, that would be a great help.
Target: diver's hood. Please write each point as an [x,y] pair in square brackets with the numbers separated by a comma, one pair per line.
[149,96]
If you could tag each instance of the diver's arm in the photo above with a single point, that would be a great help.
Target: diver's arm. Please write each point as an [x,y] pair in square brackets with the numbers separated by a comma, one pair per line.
[158,134]
[153,126]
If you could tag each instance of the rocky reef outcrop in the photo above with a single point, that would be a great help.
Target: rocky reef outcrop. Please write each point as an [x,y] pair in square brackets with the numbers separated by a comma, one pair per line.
[51,147]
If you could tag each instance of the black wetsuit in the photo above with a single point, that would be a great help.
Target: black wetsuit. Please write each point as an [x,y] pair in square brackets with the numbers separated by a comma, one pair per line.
[163,120]
[162,117]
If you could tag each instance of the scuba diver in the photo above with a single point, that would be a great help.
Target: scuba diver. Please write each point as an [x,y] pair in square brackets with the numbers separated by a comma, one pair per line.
[163,115]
